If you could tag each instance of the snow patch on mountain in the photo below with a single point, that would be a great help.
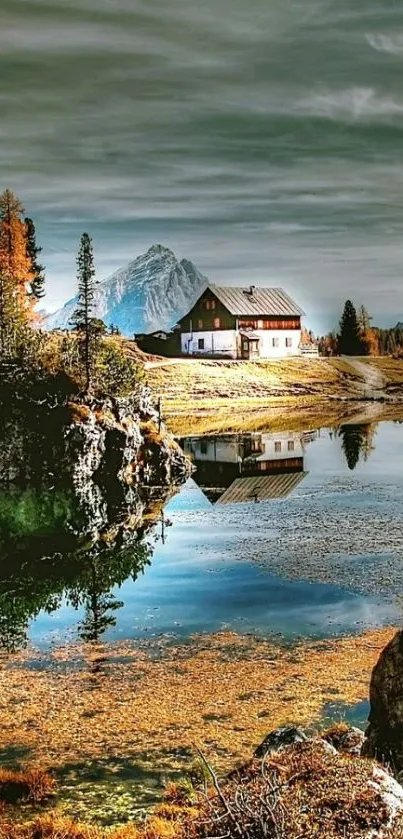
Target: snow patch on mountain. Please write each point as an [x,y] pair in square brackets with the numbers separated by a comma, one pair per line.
[152,292]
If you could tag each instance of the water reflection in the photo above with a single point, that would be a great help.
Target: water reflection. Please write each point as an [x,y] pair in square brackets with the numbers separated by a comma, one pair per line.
[51,556]
[252,467]
[73,564]
[357,442]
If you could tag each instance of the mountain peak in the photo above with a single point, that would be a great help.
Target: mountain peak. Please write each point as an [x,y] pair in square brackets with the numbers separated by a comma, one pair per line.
[160,250]
[152,292]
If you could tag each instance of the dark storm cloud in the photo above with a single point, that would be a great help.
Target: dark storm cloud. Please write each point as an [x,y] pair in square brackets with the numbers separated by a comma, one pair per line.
[262,140]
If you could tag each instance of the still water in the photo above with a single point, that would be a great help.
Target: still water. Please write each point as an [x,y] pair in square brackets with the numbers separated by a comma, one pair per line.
[297,534]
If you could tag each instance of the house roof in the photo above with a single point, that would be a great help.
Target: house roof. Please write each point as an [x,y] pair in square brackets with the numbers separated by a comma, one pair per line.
[249,334]
[263,301]
[261,488]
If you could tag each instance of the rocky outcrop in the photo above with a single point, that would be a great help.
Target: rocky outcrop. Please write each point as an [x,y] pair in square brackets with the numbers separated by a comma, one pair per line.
[121,438]
[384,735]
[89,440]
[313,786]
[111,456]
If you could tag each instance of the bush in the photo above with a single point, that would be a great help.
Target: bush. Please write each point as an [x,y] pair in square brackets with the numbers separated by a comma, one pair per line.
[116,374]
[32,785]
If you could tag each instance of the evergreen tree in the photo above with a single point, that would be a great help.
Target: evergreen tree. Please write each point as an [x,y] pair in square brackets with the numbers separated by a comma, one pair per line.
[356,441]
[83,320]
[37,283]
[349,338]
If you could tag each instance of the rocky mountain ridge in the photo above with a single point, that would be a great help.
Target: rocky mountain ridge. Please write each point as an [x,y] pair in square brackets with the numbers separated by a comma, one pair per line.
[152,292]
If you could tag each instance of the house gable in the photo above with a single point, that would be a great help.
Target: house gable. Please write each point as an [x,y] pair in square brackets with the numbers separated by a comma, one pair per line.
[230,308]
[207,314]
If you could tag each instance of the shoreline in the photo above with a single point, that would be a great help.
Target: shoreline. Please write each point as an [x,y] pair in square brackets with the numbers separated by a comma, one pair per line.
[224,692]
[281,415]
[212,396]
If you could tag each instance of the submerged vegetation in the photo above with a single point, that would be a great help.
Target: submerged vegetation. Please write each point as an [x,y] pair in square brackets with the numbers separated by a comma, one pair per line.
[307,789]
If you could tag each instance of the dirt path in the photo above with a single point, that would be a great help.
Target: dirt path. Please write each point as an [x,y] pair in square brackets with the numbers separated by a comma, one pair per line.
[373,380]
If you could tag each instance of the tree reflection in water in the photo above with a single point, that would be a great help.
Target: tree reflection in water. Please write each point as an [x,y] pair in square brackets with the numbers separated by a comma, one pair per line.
[49,554]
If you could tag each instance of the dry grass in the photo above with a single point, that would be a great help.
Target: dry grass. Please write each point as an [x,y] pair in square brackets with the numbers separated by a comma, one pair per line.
[33,786]
[304,791]
[223,692]
[286,415]
[150,433]
[188,385]
[50,827]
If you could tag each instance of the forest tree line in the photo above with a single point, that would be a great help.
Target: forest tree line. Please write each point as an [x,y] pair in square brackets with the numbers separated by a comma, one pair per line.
[357,336]
[85,359]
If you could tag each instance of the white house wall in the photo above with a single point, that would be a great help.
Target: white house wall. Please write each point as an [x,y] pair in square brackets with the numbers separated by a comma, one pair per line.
[276,446]
[214,450]
[272,342]
[218,342]
[278,337]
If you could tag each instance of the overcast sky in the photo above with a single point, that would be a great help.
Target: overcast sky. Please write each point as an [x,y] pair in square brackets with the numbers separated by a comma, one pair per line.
[262,139]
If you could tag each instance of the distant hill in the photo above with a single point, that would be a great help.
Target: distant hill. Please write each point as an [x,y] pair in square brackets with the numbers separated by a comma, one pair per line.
[151,292]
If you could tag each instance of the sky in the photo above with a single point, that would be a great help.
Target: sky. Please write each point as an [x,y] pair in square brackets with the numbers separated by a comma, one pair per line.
[262,139]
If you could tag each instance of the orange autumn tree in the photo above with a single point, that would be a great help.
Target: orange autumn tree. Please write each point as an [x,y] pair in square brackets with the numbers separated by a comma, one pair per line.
[369,337]
[16,273]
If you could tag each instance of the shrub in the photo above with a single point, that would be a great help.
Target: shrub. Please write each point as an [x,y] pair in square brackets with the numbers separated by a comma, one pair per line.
[32,785]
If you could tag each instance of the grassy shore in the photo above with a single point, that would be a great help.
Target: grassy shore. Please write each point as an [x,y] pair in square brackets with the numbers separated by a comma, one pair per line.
[203,396]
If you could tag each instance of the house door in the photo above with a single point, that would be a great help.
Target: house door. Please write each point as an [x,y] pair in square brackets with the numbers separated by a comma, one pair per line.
[245,348]
[253,349]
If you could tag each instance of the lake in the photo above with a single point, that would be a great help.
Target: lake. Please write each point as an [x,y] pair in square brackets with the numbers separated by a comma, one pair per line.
[274,562]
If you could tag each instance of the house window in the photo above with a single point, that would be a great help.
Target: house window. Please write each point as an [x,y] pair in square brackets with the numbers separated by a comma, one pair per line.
[203,448]
[216,323]
[277,447]
[291,445]
[207,304]
[200,324]
[260,324]
[212,304]
[288,342]
[200,344]
[275,342]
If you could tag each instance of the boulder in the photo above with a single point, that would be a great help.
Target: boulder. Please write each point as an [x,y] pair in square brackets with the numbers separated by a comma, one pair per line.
[384,734]
[304,787]
[345,738]
[280,739]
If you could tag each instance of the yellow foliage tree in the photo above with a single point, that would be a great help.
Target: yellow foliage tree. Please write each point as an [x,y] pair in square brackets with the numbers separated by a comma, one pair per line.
[16,271]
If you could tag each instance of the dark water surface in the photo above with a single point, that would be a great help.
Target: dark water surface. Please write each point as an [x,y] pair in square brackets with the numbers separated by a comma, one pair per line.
[225,554]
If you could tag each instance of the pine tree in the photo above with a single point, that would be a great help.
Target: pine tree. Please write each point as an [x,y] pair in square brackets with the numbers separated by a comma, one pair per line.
[353,442]
[37,283]
[83,320]
[349,337]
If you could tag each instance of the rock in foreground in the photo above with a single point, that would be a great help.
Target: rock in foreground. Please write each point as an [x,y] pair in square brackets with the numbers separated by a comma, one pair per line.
[307,788]
[385,731]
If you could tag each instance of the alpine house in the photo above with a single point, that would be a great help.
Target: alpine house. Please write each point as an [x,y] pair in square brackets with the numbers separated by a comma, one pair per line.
[248,323]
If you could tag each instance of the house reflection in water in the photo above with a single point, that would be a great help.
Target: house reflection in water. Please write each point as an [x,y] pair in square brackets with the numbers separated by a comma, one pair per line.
[236,468]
